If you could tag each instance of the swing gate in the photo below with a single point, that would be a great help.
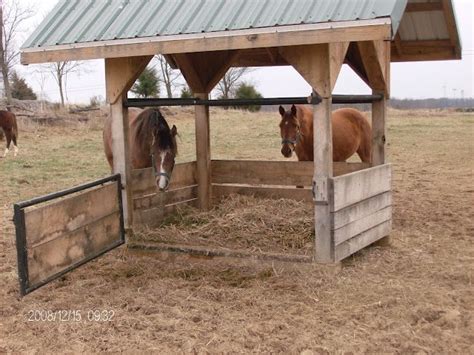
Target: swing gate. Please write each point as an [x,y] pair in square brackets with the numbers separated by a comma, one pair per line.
[58,232]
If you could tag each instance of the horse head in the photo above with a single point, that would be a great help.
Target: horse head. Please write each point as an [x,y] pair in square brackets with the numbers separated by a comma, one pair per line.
[163,149]
[289,130]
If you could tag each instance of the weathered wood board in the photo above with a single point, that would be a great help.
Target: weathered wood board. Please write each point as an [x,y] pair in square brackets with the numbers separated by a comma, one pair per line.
[362,240]
[153,217]
[283,173]
[48,259]
[360,185]
[143,180]
[68,231]
[361,210]
[48,222]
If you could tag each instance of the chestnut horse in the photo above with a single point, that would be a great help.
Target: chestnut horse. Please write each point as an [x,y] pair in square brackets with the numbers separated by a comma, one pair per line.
[351,133]
[9,126]
[152,143]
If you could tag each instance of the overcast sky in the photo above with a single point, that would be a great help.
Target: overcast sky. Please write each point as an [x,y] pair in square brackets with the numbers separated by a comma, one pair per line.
[408,80]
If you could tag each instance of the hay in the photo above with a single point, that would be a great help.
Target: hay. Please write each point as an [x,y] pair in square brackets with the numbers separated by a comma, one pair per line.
[242,223]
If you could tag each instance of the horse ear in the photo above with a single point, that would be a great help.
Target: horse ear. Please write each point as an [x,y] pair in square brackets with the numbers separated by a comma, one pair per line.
[282,110]
[293,110]
[174,131]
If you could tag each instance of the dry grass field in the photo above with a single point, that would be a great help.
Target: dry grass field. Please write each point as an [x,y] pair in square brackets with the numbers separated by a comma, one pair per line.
[414,296]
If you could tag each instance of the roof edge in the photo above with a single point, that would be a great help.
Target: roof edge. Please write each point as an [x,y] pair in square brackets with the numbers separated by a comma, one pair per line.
[265,37]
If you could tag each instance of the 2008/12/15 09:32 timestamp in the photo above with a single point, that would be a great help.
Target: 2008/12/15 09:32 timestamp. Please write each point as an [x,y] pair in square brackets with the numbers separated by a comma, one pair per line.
[69,315]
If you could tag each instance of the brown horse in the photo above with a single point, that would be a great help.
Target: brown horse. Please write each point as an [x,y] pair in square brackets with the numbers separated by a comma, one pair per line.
[351,133]
[10,127]
[152,143]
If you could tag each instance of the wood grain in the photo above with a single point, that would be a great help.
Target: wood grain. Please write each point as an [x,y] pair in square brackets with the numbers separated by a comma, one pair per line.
[53,220]
[362,240]
[355,187]
[361,225]
[360,210]
[55,255]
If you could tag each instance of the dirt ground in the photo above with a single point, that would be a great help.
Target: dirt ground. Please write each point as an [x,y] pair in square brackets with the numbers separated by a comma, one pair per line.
[414,296]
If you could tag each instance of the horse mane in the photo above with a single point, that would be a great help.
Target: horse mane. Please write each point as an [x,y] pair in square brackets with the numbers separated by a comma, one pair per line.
[152,121]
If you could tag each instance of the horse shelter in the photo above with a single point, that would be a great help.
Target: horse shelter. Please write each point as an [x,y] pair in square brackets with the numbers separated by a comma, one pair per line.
[203,39]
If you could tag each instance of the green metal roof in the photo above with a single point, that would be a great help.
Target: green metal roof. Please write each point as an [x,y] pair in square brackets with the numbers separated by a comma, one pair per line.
[82,21]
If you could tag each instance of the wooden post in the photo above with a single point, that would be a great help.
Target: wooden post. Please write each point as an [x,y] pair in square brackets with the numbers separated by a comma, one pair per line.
[120,149]
[322,130]
[202,72]
[203,153]
[320,65]
[120,74]
[379,109]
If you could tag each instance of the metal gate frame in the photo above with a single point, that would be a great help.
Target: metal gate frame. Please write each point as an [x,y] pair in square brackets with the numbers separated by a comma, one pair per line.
[20,227]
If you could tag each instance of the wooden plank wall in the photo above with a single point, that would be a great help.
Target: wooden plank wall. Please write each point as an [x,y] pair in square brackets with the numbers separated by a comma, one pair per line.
[361,211]
[269,179]
[65,232]
[150,206]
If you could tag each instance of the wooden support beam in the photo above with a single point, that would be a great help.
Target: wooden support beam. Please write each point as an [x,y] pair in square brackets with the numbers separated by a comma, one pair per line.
[379,131]
[320,66]
[203,153]
[308,59]
[376,59]
[322,189]
[121,153]
[216,41]
[121,73]
[398,44]
[354,60]
[204,70]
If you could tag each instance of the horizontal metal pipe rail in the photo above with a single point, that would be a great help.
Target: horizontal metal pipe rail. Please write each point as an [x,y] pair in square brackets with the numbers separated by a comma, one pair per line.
[314,100]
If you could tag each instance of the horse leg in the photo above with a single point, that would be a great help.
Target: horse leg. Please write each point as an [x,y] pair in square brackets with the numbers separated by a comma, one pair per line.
[9,139]
[15,146]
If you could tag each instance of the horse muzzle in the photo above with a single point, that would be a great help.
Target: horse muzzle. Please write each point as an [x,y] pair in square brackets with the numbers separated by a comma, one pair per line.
[163,181]
[286,150]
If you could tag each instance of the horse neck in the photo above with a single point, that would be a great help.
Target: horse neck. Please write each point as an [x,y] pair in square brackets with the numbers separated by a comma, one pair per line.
[305,147]
[305,120]
[140,140]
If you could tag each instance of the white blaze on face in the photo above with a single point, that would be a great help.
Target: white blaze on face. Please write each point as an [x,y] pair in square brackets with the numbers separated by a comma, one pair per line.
[163,183]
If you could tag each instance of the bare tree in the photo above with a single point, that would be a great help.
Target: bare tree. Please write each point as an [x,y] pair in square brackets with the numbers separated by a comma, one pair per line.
[12,16]
[169,76]
[227,86]
[60,72]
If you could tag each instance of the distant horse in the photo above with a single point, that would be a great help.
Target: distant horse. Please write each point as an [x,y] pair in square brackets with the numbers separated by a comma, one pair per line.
[351,133]
[152,143]
[10,127]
